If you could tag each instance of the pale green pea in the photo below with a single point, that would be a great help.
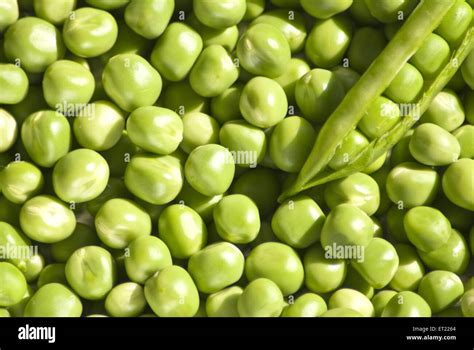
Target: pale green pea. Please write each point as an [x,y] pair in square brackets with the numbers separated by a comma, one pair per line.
[125,300]
[445,110]
[432,56]
[21,181]
[467,304]
[260,298]
[254,9]
[410,269]
[407,304]
[440,289]
[465,137]
[149,18]
[381,116]
[226,37]
[224,302]
[53,300]
[13,285]
[225,107]
[380,300]
[458,185]
[341,312]
[108,4]
[219,14]
[306,305]
[353,300]
[202,204]
[8,130]
[55,11]
[172,98]
[295,70]
[325,8]
[388,11]
[14,82]
[52,273]
[198,129]
[9,13]
[455,23]
[82,236]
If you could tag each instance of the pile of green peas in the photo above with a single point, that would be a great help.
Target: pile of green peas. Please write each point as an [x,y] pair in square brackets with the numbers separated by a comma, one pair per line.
[144,144]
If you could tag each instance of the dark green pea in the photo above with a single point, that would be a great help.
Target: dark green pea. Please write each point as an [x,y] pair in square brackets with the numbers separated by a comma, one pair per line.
[406,86]
[323,275]
[261,298]
[407,304]
[298,222]
[355,281]
[52,273]
[306,305]
[401,151]
[441,289]
[176,51]
[237,219]
[246,142]
[224,302]
[290,23]
[458,185]
[453,256]
[380,300]
[32,102]
[445,110]
[366,45]
[216,267]
[154,179]
[171,292]
[9,212]
[360,12]
[203,205]
[353,300]
[214,72]
[182,230]
[347,225]
[264,50]
[262,186]
[91,272]
[172,98]
[460,218]
[411,184]
[318,93]
[82,236]
[120,155]
[225,107]
[23,47]
[46,136]
[410,269]
[277,262]
[427,228]
[346,76]
[115,189]
[149,18]
[395,225]
[467,70]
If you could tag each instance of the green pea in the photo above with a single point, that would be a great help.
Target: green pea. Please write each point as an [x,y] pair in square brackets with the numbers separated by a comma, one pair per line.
[380,301]
[67,83]
[407,304]
[46,219]
[395,218]
[261,298]
[401,151]
[149,18]
[365,46]
[406,86]
[22,47]
[432,56]
[214,72]
[467,70]
[290,23]
[246,142]
[131,82]
[56,11]
[9,14]
[264,50]
[4,313]
[328,41]
[355,281]
[225,107]
[469,106]
[357,189]
[318,93]
[125,300]
[427,228]
[458,185]
[8,130]
[263,102]
[80,176]
[176,51]
[445,110]
[198,129]
[52,273]
[32,267]
[182,230]
[441,289]
[467,304]
[82,236]
[298,222]
[341,312]
[210,169]
[388,11]
[285,3]
[9,212]
[432,145]
[346,76]
[360,12]
[411,184]
[325,8]
[460,218]
[224,302]
[306,305]
[172,98]
[146,255]
[323,275]
[100,115]
[203,205]
[172,293]
[12,286]
[216,266]
[46,136]
[453,256]
[465,137]
[410,269]
[381,116]
[115,188]
[154,179]
[291,142]
[91,272]
[278,263]
[53,300]
[220,14]
[295,69]
[107,4]
[14,83]
[254,9]
[226,37]
[455,23]
[20,181]
[353,300]
[347,225]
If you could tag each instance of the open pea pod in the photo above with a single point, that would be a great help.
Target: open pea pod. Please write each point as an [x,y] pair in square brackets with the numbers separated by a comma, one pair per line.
[423,21]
